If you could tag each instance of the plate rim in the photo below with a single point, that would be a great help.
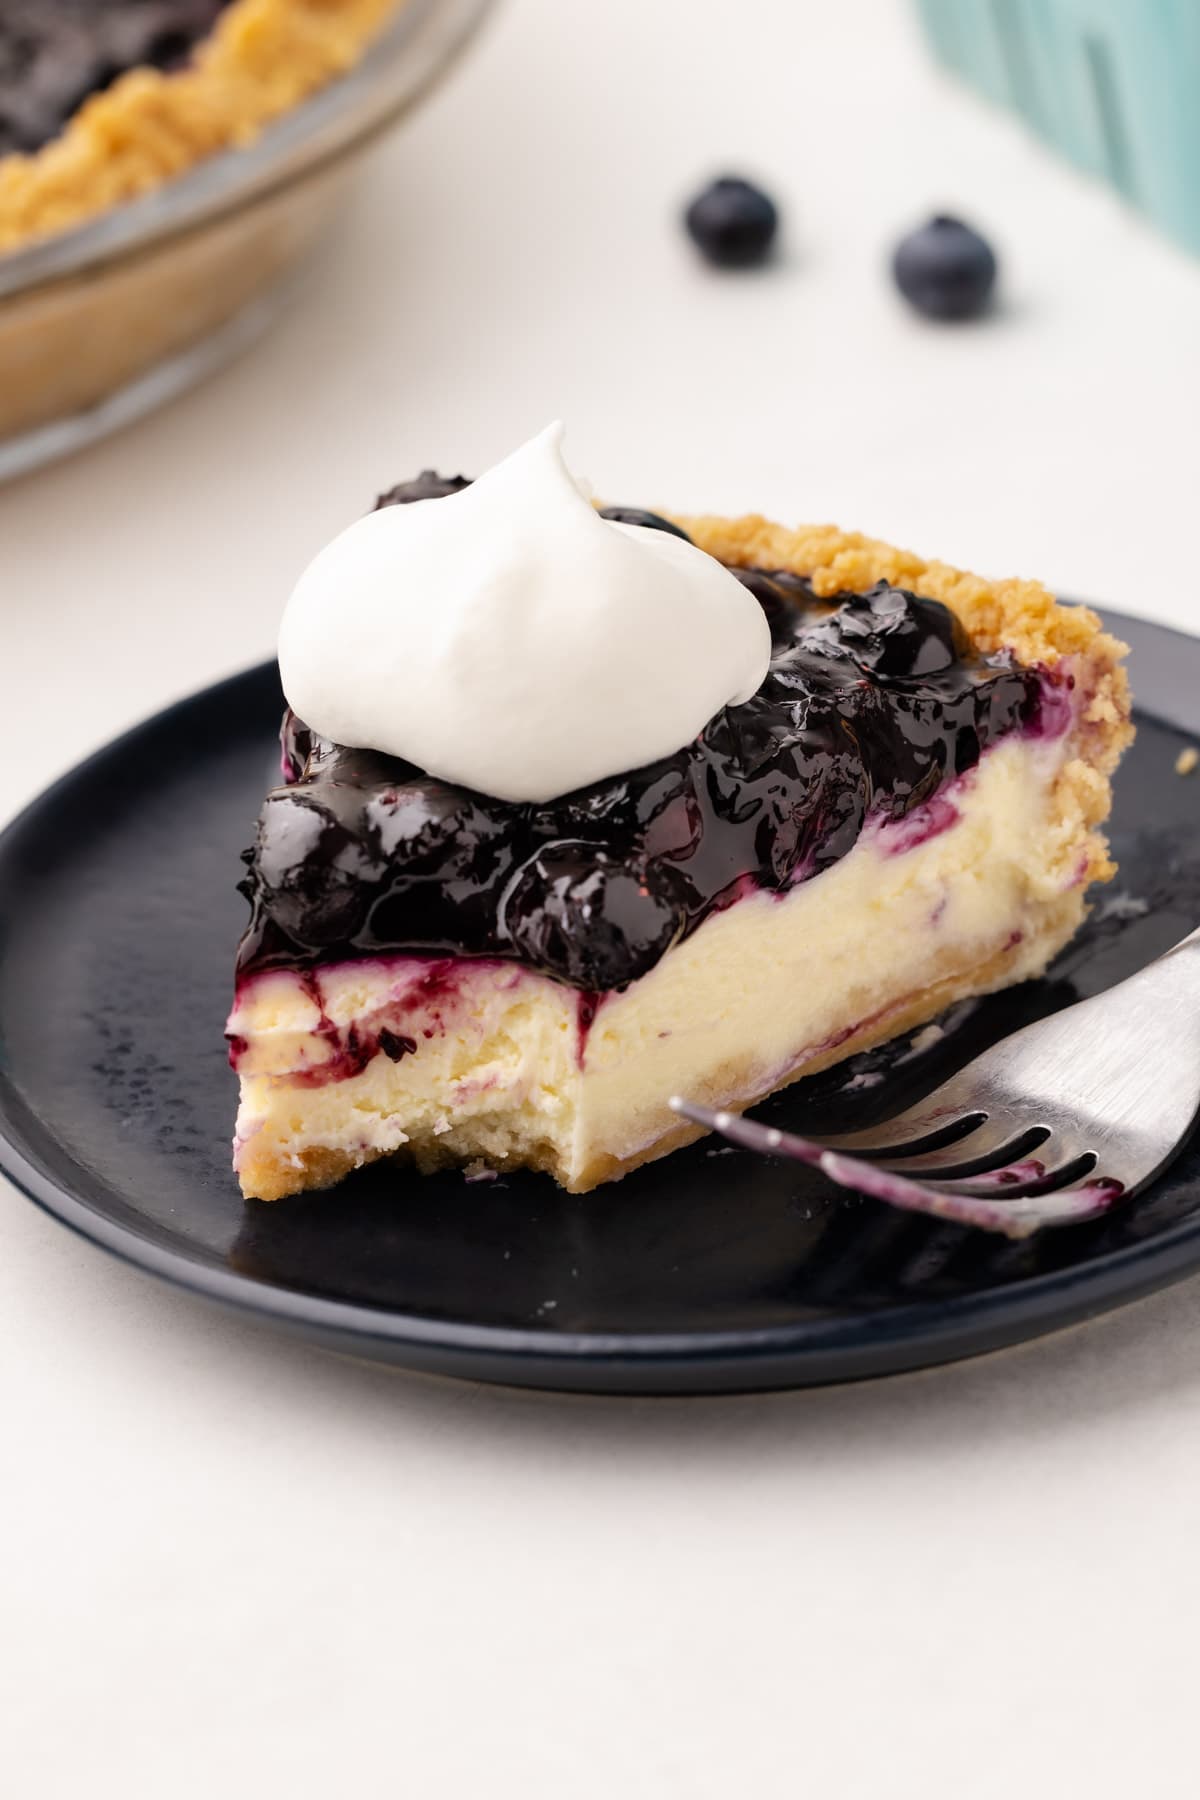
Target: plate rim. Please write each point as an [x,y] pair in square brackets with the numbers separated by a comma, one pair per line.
[841,1347]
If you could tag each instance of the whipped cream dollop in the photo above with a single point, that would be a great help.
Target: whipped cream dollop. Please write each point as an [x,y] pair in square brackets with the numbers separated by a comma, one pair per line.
[509,639]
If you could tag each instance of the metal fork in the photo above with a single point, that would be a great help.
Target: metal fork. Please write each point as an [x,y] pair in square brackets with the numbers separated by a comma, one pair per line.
[1048,1127]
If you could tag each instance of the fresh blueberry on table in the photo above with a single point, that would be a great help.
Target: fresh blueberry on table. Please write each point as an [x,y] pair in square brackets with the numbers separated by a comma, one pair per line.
[945,269]
[732,223]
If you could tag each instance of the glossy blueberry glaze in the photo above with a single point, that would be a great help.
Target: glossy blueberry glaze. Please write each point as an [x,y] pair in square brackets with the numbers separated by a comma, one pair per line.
[54,53]
[871,703]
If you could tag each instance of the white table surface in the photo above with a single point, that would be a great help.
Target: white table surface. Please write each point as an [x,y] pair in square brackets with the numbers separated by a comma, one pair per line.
[232,1565]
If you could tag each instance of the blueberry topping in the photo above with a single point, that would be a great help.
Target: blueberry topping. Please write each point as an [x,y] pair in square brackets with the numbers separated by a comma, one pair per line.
[318,871]
[634,515]
[429,485]
[54,53]
[580,910]
[870,703]
[732,223]
[945,270]
[893,635]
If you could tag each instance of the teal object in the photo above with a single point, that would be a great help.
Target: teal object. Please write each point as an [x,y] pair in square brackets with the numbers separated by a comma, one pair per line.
[1114,84]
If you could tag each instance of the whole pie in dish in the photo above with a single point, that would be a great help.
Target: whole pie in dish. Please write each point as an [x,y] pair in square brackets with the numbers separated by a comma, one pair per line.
[904,813]
[104,100]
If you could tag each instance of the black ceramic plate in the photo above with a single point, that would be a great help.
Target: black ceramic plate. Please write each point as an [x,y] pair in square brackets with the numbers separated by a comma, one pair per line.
[711,1270]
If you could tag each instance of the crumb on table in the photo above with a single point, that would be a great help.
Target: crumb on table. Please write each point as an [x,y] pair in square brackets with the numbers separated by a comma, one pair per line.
[1187,759]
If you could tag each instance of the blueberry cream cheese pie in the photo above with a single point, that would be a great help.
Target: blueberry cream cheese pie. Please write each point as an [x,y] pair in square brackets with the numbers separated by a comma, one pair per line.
[583,808]
[104,100]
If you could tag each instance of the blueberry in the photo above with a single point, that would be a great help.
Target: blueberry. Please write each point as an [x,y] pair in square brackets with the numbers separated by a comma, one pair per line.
[428,485]
[315,871]
[588,916]
[945,270]
[732,223]
[634,515]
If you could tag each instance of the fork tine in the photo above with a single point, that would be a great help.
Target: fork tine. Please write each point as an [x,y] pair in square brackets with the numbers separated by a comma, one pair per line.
[991,1147]
[1014,1174]
[1030,1176]
[1015,1218]
[935,1123]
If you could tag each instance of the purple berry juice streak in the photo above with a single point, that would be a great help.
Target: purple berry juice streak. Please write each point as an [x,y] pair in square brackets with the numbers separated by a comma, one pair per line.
[426,1006]
[352,1047]
[872,703]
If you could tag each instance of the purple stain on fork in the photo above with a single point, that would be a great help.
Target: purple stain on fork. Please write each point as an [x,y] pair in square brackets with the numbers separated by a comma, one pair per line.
[1106,1091]
[1015,1218]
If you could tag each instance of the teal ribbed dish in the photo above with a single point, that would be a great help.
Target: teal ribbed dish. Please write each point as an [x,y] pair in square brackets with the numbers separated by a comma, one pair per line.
[1113,83]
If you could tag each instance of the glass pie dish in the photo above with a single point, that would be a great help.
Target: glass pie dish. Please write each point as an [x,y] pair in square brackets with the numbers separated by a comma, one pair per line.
[104,321]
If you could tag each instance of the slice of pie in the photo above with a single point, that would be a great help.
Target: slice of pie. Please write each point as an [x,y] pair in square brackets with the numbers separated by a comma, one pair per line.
[907,812]
[103,100]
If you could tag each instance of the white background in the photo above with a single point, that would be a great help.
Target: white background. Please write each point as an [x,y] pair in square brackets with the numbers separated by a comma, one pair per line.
[230,1565]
